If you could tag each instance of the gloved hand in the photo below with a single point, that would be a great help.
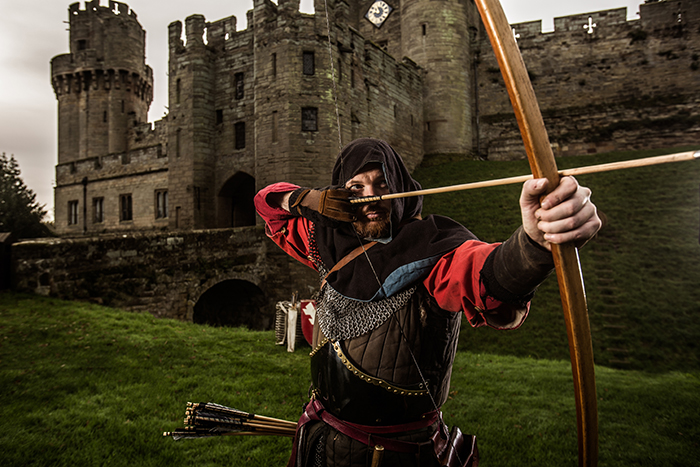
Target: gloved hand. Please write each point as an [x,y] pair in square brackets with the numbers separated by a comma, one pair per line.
[326,206]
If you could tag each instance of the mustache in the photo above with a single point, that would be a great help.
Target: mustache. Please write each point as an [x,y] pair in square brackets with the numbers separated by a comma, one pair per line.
[373,208]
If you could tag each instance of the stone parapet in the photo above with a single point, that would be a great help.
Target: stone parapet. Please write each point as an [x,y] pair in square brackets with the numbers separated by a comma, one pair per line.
[164,274]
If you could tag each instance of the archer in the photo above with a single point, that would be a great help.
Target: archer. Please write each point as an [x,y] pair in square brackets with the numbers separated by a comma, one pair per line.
[393,290]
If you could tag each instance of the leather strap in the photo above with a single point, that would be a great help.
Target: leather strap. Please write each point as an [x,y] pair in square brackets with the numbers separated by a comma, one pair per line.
[349,257]
[366,434]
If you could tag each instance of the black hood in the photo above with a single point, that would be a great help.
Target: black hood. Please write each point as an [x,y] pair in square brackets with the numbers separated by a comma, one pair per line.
[415,244]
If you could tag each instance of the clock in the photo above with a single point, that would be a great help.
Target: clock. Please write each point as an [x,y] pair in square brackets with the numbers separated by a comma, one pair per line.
[378,13]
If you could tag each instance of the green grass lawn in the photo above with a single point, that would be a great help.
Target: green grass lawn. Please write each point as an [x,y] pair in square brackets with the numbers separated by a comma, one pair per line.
[88,385]
[85,385]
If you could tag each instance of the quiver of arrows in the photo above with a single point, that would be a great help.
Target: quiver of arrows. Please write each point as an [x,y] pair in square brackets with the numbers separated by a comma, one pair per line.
[206,419]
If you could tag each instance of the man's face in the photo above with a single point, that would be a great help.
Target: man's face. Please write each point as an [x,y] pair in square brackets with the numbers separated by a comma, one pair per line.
[373,219]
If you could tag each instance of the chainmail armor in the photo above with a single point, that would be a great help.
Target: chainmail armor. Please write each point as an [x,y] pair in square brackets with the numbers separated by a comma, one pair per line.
[340,317]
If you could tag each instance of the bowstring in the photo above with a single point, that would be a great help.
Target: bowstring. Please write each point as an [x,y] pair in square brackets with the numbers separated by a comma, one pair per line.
[335,89]
[364,250]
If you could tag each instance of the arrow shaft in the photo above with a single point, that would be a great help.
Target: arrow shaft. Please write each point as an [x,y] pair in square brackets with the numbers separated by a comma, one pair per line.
[591,169]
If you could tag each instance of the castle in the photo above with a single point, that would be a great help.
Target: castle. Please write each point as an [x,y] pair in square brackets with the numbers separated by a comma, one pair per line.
[251,107]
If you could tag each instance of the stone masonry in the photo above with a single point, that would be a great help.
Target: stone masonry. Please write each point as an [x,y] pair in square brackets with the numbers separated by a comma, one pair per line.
[166,274]
[603,83]
[255,106]
[265,104]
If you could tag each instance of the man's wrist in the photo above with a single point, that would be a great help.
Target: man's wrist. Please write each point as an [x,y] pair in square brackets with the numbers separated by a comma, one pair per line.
[515,269]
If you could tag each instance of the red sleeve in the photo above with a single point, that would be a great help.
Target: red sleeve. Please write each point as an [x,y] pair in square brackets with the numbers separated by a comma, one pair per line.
[455,282]
[291,233]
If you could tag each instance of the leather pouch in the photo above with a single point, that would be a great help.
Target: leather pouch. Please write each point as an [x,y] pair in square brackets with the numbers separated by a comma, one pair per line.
[458,450]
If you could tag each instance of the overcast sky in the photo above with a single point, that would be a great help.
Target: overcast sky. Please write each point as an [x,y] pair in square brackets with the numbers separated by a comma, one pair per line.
[34,31]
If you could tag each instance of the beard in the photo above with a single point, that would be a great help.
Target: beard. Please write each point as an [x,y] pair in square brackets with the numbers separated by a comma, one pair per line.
[373,228]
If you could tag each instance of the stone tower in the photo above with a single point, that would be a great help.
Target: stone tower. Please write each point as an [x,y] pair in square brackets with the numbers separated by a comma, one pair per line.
[191,87]
[103,86]
[440,37]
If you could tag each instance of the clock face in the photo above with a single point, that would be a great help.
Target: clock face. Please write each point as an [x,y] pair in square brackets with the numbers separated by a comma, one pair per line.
[378,13]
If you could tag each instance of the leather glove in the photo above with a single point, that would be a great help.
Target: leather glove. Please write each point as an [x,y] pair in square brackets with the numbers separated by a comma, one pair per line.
[326,206]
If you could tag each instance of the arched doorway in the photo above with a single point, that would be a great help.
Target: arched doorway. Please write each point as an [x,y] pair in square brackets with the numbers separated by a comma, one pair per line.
[235,202]
[232,302]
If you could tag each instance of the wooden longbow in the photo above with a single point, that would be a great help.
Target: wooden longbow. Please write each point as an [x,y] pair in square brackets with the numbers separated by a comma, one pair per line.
[543,165]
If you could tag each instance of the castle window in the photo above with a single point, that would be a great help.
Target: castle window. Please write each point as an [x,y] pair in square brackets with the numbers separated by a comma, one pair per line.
[82,44]
[275,122]
[161,204]
[98,213]
[309,119]
[425,28]
[238,85]
[73,212]
[104,116]
[197,198]
[219,116]
[178,85]
[274,65]
[125,208]
[178,138]
[239,130]
[308,63]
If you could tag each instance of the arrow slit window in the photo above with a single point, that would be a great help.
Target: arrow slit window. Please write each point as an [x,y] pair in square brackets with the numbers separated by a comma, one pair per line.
[309,119]
[308,63]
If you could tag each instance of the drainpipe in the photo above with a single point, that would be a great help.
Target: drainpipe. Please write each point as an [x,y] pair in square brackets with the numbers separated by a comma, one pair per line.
[85,184]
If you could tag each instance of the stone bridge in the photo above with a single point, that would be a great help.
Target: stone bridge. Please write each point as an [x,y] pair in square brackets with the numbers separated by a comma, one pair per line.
[220,277]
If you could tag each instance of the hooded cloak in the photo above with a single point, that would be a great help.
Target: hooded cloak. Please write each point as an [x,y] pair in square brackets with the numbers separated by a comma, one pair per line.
[414,246]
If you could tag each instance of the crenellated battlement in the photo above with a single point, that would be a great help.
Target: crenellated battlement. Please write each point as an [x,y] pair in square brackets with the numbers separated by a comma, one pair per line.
[94,8]
[95,80]
[584,23]
[652,16]
[103,36]
[198,32]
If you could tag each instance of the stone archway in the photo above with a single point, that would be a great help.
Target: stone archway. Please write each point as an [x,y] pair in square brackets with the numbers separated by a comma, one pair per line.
[235,202]
[233,302]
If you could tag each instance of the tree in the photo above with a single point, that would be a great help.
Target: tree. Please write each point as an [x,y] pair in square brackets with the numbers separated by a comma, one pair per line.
[20,213]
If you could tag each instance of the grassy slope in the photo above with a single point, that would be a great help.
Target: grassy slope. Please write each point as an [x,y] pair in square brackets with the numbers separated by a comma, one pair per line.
[85,385]
[88,385]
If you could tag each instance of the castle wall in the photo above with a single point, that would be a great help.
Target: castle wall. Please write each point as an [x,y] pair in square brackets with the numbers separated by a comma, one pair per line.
[164,274]
[376,95]
[139,174]
[426,81]
[627,85]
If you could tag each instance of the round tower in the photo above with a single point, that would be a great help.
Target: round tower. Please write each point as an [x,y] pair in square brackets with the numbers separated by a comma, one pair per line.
[103,85]
[438,36]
